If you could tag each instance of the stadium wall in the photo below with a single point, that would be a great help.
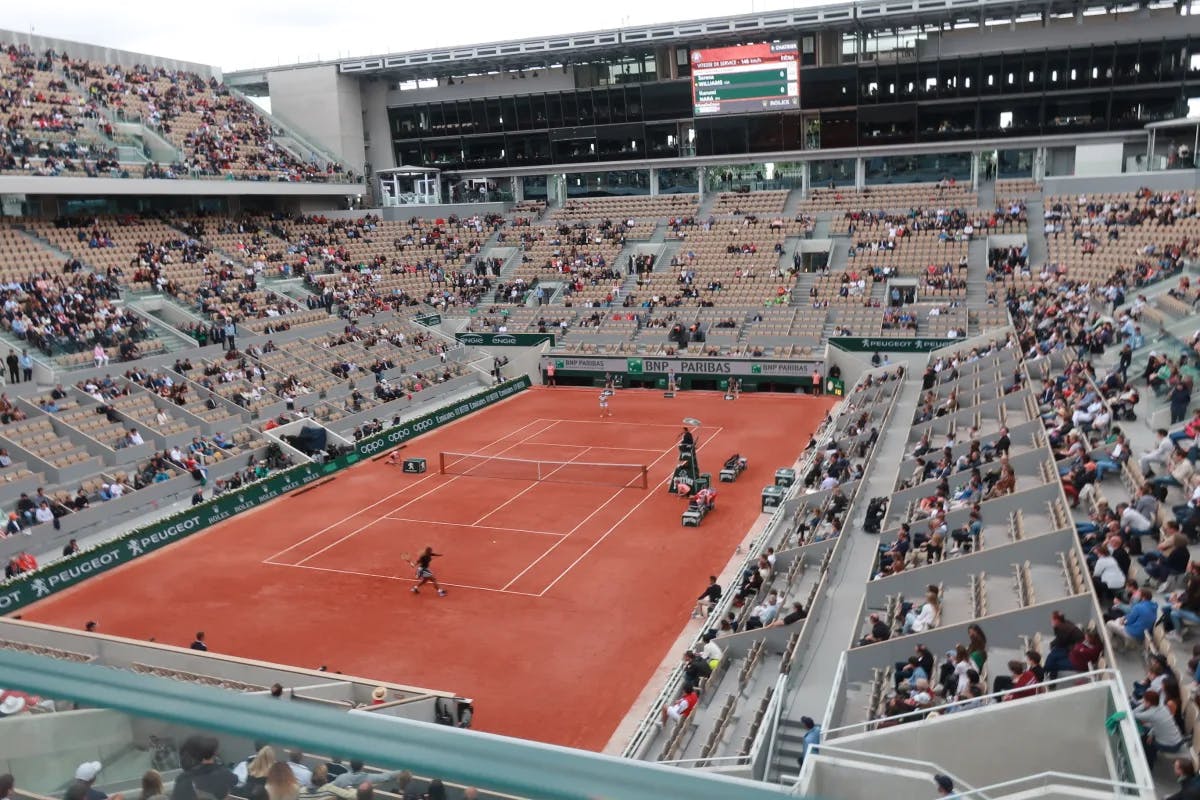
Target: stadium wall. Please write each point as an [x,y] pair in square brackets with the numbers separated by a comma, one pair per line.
[136,543]
[1172,180]
[93,52]
[323,103]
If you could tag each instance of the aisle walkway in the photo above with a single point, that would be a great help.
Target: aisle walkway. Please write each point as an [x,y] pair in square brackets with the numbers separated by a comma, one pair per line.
[836,628]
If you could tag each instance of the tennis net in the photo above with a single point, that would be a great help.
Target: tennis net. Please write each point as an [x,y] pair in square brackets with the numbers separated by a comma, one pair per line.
[633,476]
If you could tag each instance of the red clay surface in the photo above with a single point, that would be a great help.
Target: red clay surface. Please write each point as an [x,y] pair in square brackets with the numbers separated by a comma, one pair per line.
[563,599]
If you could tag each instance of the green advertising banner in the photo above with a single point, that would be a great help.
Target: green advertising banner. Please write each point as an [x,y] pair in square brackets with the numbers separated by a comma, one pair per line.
[428,320]
[48,580]
[870,344]
[504,339]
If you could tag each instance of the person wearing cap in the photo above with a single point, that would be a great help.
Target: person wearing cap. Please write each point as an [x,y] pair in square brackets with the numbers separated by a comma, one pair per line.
[812,737]
[85,778]
[944,784]
[378,695]
[11,705]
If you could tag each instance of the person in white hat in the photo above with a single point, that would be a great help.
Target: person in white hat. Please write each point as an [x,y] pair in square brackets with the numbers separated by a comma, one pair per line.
[11,705]
[86,774]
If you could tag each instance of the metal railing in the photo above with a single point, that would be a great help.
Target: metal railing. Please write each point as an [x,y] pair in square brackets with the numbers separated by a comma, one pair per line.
[1092,676]
[934,769]
[964,791]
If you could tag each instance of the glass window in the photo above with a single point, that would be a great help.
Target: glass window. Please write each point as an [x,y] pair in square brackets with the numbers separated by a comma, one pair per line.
[832,172]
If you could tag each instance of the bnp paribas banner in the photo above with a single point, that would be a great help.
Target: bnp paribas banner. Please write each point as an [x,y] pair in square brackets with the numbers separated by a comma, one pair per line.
[48,580]
[765,368]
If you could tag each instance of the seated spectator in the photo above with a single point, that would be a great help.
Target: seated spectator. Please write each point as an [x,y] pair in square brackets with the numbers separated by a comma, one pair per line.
[1066,635]
[1160,733]
[919,621]
[1020,680]
[323,788]
[707,599]
[1130,630]
[203,775]
[797,614]
[880,632]
[681,708]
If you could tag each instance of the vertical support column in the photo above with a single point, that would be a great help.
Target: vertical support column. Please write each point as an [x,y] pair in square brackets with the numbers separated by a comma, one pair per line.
[1150,151]
[700,182]
[860,173]
[805,179]
[653,181]
[517,186]
[975,172]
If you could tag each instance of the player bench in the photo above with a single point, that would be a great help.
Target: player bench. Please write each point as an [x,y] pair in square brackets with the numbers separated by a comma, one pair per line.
[734,466]
[699,506]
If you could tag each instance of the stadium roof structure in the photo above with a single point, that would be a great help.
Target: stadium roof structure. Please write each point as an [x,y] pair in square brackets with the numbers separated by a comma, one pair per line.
[545,51]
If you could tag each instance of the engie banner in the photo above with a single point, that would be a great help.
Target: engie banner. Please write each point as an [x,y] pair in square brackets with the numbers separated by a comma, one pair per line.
[48,580]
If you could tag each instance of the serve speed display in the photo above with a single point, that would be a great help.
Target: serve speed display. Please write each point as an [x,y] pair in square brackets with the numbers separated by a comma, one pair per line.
[746,78]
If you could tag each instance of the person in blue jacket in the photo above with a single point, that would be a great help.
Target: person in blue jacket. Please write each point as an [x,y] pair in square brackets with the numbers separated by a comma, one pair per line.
[1131,629]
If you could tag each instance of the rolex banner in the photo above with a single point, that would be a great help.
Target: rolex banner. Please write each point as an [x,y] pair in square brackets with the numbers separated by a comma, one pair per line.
[67,572]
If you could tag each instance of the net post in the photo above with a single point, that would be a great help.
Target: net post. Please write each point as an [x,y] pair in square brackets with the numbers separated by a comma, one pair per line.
[442,462]
[645,477]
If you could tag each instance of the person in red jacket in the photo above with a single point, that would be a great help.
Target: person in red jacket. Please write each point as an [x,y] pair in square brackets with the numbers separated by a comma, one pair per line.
[681,708]
[1084,654]
[1023,681]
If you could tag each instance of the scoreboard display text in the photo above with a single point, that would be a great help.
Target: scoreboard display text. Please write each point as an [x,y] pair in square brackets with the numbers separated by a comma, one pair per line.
[746,78]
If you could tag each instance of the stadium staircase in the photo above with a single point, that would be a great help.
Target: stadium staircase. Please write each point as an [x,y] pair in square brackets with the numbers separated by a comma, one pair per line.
[977,285]
[706,206]
[850,570]
[289,138]
[1038,252]
[791,206]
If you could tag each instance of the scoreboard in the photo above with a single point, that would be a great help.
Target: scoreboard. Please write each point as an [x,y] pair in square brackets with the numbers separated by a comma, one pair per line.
[746,78]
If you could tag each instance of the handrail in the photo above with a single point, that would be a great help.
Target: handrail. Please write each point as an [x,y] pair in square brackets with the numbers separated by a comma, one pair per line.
[936,768]
[771,733]
[964,791]
[1092,676]
[831,707]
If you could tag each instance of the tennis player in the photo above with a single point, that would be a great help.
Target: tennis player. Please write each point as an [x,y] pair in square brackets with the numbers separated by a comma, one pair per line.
[424,573]
[605,411]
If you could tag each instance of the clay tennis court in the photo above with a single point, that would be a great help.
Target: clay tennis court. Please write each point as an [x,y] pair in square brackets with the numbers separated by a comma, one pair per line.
[563,597]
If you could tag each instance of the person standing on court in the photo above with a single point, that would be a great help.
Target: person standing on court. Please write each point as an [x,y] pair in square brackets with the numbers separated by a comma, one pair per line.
[550,374]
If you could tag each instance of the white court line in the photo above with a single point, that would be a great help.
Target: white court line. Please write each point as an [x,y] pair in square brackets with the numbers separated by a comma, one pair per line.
[606,534]
[465,525]
[396,578]
[552,547]
[408,503]
[385,498]
[610,421]
[532,485]
[597,446]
